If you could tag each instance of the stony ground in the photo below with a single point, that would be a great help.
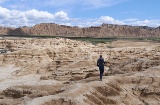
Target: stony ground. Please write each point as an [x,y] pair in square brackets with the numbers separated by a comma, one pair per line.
[63,72]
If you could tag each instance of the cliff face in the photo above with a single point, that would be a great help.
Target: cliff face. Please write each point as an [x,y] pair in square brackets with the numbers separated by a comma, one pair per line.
[5,30]
[101,31]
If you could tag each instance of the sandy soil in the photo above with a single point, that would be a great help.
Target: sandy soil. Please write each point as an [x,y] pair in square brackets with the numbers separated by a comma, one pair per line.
[63,72]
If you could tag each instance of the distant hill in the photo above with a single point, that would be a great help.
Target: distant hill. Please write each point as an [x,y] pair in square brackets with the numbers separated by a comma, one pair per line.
[104,30]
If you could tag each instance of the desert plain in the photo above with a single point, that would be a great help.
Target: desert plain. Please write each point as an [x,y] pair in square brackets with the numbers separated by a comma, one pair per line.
[61,71]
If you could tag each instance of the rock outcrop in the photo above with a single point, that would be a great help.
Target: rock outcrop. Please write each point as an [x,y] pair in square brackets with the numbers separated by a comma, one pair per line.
[105,30]
[5,30]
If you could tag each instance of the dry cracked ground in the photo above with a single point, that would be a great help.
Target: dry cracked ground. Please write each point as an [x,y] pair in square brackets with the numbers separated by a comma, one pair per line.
[59,71]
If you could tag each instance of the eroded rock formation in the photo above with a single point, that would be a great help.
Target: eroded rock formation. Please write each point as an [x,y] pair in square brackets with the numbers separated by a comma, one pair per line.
[104,30]
[63,71]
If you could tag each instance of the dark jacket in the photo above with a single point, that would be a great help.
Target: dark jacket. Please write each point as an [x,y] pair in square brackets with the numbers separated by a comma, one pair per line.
[100,62]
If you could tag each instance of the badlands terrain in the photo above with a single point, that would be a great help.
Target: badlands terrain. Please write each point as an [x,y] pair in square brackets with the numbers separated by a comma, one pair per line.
[58,71]
[104,30]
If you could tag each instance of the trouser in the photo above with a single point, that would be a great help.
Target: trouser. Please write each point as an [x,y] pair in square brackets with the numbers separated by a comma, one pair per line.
[101,69]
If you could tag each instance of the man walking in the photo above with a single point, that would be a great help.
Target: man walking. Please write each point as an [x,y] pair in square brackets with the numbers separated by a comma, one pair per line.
[100,64]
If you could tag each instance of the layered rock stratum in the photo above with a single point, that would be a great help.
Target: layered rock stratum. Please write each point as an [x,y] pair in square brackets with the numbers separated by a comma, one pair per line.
[104,30]
[60,71]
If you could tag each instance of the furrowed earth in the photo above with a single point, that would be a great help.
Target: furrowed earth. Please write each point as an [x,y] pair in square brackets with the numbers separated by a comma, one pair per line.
[59,71]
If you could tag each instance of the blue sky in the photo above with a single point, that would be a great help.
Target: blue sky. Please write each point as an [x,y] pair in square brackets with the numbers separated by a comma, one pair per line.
[83,13]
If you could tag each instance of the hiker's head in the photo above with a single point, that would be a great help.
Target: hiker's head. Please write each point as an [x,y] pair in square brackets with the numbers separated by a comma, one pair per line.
[100,56]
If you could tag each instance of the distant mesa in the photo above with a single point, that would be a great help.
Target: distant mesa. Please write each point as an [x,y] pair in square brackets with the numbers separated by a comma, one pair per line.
[104,30]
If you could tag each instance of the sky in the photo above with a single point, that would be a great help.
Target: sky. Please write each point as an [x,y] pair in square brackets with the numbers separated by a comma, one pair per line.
[82,13]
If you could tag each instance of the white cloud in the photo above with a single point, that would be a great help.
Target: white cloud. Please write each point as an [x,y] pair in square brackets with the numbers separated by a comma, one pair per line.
[29,18]
[109,20]
[38,14]
[151,23]
[18,18]
[98,21]
[61,15]
[143,23]
[4,12]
